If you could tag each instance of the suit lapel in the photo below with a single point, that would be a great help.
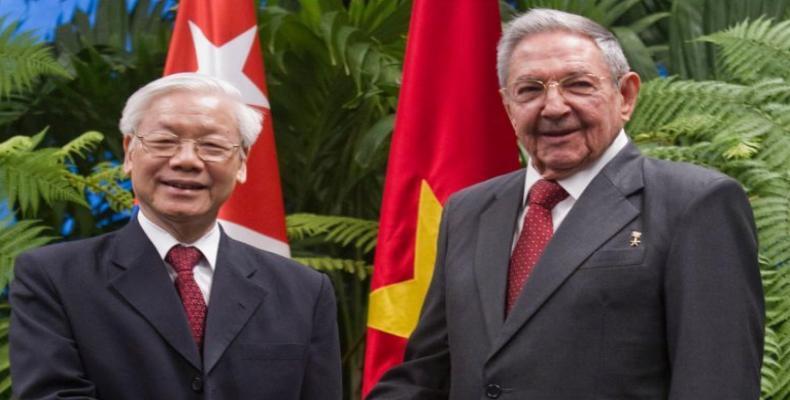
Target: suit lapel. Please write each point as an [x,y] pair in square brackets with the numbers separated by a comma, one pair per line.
[140,277]
[601,211]
[492,254]
[234,299]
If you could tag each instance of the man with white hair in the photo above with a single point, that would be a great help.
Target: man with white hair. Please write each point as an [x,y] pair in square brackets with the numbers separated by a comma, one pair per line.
[595,272]
[170,307]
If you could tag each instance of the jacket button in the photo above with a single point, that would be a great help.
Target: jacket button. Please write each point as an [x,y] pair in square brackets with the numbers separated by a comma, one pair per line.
[493,391]
[197,384]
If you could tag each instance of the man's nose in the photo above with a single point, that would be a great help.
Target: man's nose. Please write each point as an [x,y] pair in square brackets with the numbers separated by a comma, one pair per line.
[186,155]
[554,103]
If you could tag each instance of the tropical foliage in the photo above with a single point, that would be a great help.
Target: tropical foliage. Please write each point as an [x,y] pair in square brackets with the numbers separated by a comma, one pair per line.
[332,123]
[332,126]
[24,60]
[690,19]
[739,125]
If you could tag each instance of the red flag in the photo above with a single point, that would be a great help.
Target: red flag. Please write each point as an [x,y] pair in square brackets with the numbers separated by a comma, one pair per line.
[220,38]
[451,131]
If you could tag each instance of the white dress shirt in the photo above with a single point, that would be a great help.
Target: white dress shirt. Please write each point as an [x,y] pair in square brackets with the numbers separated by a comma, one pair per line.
[208,245]
[574,184]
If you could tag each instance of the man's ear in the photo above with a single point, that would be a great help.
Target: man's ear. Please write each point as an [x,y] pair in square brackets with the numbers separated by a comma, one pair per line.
[629,90]
[127,154]
[241,174]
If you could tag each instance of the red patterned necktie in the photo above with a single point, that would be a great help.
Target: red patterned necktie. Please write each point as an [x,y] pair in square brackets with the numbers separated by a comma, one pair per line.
[535,235]
[183,259]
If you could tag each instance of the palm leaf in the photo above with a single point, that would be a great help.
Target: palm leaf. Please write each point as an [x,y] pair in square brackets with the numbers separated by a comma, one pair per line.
[331,127]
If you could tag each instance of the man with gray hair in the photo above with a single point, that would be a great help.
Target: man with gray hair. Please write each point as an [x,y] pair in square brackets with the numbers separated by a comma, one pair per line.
[170,307]
[595,272]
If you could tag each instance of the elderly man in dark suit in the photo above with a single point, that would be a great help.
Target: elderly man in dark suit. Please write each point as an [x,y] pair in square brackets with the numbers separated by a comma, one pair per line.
[169,307]
[594,273]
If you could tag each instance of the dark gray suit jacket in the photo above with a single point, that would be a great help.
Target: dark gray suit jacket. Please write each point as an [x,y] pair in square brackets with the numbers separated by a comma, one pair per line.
[678,317]
[101,318]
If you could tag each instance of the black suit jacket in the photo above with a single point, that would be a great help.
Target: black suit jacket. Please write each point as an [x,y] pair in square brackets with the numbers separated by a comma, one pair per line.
[679,317]
[101,318]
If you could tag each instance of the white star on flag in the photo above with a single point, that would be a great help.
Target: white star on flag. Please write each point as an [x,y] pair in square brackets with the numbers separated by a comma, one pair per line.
[227,62]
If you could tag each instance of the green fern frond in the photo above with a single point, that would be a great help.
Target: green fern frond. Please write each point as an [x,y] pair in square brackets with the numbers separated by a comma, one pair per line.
[770,90]
[16,238]
[81,145]
[771,368]
[358,268]
[752,50]
[14,145]
[740,138]
[662,101]
[777,142]
[772,217]
[360,233]
[105,179]
[23,60]
[690,153]
[776,357]
[17,144]
[28,175]
[692,128]
[757,177]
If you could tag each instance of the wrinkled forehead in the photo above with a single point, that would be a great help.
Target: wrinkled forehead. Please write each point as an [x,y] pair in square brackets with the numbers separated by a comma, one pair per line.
[198,111]
[555,54]
[190,99]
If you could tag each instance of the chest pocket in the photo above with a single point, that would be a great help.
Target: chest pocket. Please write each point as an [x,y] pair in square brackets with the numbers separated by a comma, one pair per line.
[615,258]
[274,351]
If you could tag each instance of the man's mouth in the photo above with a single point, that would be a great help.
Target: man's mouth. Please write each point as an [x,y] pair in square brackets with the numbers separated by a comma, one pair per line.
[557,132]
[184,185]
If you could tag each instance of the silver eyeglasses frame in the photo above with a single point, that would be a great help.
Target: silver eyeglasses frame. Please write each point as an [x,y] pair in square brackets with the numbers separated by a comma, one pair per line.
[199,150]
[562,85]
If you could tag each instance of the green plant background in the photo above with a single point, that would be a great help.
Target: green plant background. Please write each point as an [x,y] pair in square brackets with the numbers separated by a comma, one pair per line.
[334,70]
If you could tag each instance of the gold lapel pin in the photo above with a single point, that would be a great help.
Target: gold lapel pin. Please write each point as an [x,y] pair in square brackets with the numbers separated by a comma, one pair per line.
[636,239]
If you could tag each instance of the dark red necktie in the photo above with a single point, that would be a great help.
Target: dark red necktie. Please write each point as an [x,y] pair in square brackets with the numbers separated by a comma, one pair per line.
[183,259]
[535,235]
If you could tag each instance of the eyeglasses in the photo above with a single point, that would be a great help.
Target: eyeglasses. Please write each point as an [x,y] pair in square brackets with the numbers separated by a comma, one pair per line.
[572,87]
[209,149]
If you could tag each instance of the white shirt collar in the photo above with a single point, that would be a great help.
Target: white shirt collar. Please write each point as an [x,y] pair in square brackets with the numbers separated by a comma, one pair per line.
[164,241]
[578,182]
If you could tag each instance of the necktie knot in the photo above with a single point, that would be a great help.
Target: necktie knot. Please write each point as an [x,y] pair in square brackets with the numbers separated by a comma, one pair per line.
[546,194]
[183,258]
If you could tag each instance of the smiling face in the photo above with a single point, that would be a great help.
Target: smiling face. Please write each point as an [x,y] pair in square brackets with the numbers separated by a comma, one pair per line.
[182,194]
[563,133]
